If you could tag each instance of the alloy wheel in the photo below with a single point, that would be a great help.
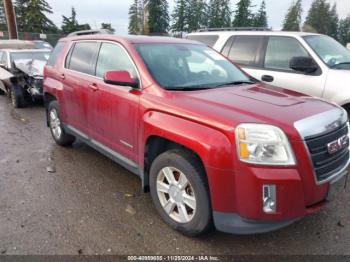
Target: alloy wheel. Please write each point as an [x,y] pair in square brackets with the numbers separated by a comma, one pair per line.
[176,194]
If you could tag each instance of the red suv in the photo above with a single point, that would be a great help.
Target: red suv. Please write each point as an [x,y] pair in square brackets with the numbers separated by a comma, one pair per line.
[212,144]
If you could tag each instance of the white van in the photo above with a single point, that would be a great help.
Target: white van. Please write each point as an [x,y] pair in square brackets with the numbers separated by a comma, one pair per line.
[313,64]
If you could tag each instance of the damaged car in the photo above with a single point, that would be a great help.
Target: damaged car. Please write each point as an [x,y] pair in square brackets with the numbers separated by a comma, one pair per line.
[21,74]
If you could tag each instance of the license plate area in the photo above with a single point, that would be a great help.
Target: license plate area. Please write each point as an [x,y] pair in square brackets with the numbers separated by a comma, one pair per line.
[337,186]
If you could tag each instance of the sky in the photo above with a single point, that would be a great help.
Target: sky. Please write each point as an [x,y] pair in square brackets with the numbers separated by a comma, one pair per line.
[115,12]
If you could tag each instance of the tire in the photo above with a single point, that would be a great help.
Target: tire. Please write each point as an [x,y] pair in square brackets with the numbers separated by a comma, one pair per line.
[56,127]
[17,97]
[179,200]
[2,92]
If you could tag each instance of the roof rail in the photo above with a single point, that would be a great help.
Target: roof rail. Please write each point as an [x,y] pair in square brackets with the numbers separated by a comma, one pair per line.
[234,29]
[90,32]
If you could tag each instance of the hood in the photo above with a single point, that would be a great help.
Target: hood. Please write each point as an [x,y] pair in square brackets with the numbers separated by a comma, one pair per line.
[34,68]
[258,103]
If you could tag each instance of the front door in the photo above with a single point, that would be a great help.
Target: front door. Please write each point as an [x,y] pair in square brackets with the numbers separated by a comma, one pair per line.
[113,114]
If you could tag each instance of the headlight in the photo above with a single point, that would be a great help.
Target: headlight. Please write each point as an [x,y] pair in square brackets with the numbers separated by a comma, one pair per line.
[263,145]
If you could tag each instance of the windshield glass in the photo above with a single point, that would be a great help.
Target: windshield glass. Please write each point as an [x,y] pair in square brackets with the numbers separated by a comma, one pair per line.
[330,51]
[44,56]
[189,66]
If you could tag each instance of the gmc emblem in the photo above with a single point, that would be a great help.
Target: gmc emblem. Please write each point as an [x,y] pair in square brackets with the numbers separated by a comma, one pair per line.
[335,146]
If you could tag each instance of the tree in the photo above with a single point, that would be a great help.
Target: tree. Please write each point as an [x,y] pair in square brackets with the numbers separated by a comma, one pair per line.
[322,18]
[219,13]
[158,16]
[70,24]
[135,18]
[292,21]
[344,30]
[31,16]
[180,23]
[108,26]
[197,16]
[260,19]
[3,24]
[243,15]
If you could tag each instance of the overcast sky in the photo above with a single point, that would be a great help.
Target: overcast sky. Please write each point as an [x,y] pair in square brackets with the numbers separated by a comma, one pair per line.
[115,12]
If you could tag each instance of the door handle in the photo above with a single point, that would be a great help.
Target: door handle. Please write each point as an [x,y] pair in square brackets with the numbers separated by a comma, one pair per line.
[93,87]
[267,78]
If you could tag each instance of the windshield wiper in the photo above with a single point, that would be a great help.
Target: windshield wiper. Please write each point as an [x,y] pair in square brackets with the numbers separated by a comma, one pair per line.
[343,63]
[186,88]
[235,83]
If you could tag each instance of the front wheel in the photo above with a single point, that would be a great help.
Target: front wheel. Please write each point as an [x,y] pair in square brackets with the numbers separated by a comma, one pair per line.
[180,192]
[58,133]
[17,97]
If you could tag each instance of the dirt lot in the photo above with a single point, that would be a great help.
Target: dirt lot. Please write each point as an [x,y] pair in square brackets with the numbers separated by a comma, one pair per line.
[57,200]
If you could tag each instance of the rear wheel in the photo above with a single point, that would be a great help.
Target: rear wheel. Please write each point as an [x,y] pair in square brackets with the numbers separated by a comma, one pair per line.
[180,192]
[17,97]
[57,130]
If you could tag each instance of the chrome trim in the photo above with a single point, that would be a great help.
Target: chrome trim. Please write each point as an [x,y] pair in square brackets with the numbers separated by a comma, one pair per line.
[126,144]
[322,123]
[78,132]
[318,125]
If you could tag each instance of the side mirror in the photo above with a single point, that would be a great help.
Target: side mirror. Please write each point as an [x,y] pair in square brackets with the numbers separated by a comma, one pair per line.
[120,78]
[303,64]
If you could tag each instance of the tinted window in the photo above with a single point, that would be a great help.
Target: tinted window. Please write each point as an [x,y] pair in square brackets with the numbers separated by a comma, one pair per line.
[245,50]
[280,51]
[83,57]
[209,40]
[54,54]
[113,57]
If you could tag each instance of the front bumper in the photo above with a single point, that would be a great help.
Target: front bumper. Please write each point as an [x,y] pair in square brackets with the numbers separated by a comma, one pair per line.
[234,224]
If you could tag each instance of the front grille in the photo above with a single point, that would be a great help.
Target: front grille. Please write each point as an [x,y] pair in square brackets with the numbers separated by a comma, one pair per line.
[324,163]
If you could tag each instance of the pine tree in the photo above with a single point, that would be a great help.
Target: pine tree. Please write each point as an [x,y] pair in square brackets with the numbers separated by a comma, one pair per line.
[70,24]
[180,23]
[334,22]
[158,18]
[196,15]
[292,21]
[243,15]
[135,18]
[322,18]
[31,16]
[344,30]
[260,19]
[3,24]
[219,13]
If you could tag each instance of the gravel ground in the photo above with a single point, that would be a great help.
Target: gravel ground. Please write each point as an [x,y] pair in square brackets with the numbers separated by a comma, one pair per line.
[73,200]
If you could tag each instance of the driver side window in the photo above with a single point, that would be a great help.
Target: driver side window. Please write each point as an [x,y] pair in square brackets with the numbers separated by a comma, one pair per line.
[113,57]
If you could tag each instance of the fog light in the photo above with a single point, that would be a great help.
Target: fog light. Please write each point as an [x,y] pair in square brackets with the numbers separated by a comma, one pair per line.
[269,198]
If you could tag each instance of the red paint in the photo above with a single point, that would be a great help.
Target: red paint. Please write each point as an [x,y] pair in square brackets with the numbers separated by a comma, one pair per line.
[202,121]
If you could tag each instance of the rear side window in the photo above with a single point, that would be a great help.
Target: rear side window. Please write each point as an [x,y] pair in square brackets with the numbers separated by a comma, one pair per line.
[280,50]
[245,50]
[54,54]
[113,57]
[83,57]
[209,40]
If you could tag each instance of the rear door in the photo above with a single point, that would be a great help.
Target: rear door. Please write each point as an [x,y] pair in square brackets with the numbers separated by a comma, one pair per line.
[78,75]
[113,114]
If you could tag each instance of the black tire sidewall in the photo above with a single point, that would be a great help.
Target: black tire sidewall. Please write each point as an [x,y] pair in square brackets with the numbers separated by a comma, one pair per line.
[17,92]
[202,218]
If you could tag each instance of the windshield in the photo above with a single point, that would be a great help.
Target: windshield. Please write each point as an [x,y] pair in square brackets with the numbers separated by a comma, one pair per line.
[189,66]
[44,56]
[330,51]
